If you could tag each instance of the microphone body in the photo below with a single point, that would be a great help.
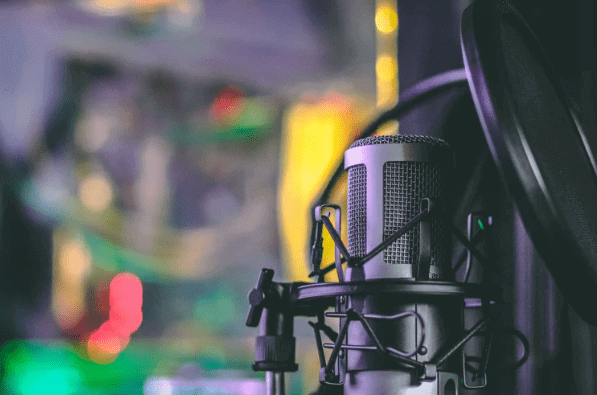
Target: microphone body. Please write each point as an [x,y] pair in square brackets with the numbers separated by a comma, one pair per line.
[388,176]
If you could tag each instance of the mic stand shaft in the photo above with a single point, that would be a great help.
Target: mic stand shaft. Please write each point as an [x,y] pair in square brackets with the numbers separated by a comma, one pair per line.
[275,383]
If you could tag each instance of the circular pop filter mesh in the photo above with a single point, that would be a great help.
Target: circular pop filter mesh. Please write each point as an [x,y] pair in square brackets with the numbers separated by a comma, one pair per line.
[552,138]
[537,146]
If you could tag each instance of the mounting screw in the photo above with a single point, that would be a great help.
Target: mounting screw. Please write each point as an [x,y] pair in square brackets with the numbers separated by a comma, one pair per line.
[257,297]
[423,350]
[342,299]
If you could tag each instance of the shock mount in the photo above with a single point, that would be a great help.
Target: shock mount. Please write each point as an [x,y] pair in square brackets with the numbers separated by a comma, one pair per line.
[274,305]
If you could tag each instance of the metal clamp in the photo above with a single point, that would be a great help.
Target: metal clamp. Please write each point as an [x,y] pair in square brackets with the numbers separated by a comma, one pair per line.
[471,386]
[421,268]
[338,226]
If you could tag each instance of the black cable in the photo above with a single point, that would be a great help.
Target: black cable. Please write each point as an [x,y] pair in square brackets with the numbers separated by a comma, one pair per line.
[471,333]
[327,269]
[521,361]
[409,99]
[467,243]
[525,345]
[461,257]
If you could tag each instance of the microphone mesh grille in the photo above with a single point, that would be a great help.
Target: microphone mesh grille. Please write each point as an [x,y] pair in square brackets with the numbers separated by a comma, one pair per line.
[357,210]
[405,184]
[401,139]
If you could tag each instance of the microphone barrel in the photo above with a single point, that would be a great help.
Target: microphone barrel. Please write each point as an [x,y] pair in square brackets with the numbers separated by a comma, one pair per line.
[388,176]
[369,373]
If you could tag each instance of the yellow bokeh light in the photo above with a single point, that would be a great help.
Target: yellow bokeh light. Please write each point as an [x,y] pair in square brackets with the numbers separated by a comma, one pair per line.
[112,4]
[106,7]
[74,260]
[120,7]
[316,135]
[95,192]
[386,19]
[71,267]
[387,92]
[386,68]
[141,5]
[103,348]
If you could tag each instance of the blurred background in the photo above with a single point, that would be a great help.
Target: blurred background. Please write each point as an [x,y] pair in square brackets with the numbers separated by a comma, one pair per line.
[156,154]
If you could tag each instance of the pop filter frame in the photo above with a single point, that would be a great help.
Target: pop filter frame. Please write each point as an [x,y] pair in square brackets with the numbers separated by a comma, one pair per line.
[537,145]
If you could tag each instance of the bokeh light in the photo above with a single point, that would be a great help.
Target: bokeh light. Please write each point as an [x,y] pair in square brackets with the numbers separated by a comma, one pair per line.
[118,7]
[96,192]
[126,300]
[386,68]
[316,132]
[228,105]
[125,317]
[104,344]
[164,144]
[386,19]
[74,261]
[105,7]
[73,265]
[32,369]
[93,131]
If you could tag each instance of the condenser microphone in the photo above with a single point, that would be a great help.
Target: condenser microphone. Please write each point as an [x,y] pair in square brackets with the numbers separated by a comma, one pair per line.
[388,177]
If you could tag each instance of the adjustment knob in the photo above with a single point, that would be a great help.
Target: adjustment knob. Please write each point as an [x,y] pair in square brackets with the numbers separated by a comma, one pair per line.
[257,297]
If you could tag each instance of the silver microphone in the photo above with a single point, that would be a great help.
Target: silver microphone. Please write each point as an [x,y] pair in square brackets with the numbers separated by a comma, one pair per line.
[388,177]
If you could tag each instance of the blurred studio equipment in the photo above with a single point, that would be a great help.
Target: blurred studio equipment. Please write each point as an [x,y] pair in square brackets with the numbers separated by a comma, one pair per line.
[413,320]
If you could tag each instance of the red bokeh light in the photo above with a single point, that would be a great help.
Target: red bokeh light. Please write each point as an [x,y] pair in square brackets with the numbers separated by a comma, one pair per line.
[125,317]
[126,293]
[126,322]
[228,104]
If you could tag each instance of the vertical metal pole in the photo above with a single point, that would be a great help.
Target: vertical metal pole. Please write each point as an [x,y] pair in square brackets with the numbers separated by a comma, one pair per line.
[274,382]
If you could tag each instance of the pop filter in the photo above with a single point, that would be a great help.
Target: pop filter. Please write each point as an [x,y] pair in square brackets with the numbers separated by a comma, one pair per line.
[537,144]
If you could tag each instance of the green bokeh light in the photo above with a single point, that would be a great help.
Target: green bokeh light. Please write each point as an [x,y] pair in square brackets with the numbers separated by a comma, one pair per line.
[31,369]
